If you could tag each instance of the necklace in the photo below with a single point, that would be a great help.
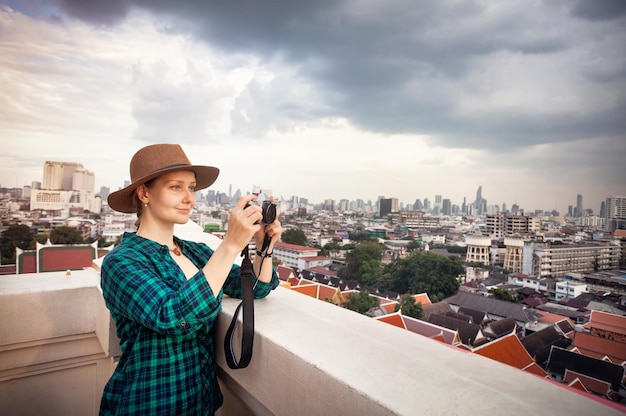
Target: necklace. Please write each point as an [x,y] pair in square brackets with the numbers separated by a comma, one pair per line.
[176,250]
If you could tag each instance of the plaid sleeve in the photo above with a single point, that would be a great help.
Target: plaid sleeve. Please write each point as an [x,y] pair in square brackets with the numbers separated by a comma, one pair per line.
[133,287]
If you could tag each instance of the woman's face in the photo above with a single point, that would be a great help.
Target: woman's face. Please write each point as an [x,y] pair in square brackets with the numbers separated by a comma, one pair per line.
[171,197]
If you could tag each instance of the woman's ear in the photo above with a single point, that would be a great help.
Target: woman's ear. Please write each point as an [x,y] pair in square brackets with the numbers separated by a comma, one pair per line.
[142,194]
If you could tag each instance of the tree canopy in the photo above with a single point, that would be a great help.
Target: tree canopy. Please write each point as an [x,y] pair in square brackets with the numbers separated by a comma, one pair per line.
[16,236]
[294,236]
[423,272]
[409,307]
[360,302]
[66,235]
[363,263]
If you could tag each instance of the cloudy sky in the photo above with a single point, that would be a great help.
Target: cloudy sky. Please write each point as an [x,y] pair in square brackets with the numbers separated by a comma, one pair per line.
[326,98]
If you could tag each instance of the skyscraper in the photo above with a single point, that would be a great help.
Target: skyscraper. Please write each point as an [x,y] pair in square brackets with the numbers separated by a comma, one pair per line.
[615,208]
[446,207]
[388,205]
[480,203]
[66,176]
[579,205]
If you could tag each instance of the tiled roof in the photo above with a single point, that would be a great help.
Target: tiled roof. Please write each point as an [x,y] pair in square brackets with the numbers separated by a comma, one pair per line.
[284,273]
[423,299]
[509,350]
[294,247]
[323,271]
[539,344]
[492,306]
[307,289]
[607,321]
[500,327]
[477,316]
[459,316]
[394,319]
[449,336]
[468,333]
[561,360]
[439,307]
[599,347]
[315,258]
[589,383]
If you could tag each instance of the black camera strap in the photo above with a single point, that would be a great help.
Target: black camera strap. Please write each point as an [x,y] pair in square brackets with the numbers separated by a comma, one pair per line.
[247,302]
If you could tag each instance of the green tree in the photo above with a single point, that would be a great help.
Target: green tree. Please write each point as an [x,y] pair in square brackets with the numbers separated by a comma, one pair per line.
[15,236]
[66,235]
[409,307]
[294,236]
[423,272]
[360,302]
[363,262]
[502,295]
[413,245]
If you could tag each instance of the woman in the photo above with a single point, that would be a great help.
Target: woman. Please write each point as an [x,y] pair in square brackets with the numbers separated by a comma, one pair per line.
[164,293]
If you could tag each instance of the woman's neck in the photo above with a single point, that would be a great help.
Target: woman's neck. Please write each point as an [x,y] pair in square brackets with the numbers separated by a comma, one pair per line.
[161,234]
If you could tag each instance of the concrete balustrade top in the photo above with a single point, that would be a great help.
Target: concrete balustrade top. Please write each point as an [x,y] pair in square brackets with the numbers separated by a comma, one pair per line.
[310,358]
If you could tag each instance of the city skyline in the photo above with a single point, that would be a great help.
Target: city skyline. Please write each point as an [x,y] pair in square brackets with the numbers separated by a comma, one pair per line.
[326,100]
[432,200]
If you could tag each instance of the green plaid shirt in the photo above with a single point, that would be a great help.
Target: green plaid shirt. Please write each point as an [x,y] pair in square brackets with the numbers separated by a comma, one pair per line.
[165,325]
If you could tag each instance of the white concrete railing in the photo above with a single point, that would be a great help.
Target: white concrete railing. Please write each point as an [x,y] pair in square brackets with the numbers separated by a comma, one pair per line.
[314,358]
[57,349]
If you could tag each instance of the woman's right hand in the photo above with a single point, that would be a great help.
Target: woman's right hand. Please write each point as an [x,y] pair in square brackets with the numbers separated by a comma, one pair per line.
[243,223]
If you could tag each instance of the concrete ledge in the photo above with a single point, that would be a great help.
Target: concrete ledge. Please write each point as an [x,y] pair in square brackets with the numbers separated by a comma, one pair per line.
[311,357]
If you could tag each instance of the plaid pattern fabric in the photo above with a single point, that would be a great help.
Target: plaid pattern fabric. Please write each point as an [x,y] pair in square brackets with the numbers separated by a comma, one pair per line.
[165,325]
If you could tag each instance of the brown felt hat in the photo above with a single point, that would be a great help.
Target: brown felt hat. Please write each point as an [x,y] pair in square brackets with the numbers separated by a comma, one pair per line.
[153,161]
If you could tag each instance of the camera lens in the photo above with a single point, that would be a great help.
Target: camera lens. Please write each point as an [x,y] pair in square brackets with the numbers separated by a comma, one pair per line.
[269,212]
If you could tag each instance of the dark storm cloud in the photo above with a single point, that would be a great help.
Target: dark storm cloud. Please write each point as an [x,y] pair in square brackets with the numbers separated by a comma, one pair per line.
[399,66]
[599,9]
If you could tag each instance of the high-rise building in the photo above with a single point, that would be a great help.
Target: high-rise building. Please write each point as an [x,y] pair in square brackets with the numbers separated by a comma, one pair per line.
[615,213]
[67,176]
[479,202]
[603,209]
[446,207]
[65,185]
[388,205]
[579,205]
[104,192]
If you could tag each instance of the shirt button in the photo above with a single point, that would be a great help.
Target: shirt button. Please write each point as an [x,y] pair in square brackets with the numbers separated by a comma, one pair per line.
[203,361]
[203,338]
[183,324]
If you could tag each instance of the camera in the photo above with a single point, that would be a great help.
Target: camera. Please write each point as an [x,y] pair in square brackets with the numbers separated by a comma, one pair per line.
[268,208]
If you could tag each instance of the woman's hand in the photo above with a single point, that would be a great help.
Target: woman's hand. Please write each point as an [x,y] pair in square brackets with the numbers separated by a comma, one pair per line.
[244,222]
[273,231]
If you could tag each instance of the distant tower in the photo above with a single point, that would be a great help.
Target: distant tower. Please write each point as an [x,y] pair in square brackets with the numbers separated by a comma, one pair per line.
[579,205]
[446,207]
[603,209]
[478,203]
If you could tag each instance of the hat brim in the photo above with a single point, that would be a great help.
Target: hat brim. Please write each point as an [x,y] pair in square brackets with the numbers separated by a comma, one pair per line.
[123,200]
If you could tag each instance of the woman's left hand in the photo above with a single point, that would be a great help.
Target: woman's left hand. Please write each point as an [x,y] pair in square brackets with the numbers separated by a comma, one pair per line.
[273,231]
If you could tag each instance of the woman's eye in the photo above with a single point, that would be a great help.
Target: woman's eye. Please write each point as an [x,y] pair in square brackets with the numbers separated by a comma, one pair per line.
[192,188]
[176,187]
